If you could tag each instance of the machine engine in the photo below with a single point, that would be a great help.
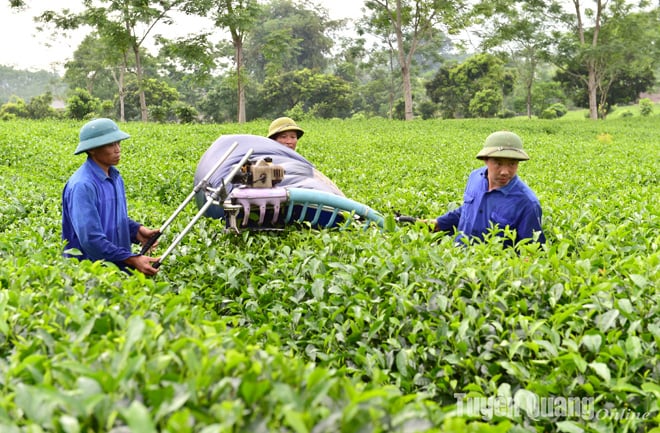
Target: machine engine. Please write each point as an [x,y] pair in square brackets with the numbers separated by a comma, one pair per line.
[260,174]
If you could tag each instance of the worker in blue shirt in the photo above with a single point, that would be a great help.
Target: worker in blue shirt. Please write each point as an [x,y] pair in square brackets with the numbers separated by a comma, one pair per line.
[94,210]
[496,196]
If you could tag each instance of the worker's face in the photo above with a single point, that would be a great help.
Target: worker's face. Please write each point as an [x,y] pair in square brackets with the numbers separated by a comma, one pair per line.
[501,171]
[288,138]
[107,155]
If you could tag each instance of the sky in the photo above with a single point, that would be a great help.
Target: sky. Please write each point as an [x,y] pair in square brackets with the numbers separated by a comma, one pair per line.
[23,47]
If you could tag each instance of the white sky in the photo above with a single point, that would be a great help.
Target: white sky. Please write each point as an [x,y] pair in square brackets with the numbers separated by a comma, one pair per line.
[23,47]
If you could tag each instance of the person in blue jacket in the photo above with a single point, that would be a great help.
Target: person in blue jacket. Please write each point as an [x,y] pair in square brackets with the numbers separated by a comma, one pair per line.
[94,209]
[496,196]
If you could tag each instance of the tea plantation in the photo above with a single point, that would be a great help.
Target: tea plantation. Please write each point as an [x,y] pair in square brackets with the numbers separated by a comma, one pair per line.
[352,330]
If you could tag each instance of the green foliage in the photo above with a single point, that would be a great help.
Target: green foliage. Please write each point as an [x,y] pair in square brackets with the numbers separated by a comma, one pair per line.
[622,57]
[323,95]
[330,330]
[39,107]
[184,112]
[506,114]
[554,111]
[14,108]
[297,112]
[81,104]
[645,107]
[160,99]
[289,36]
[92,67]
[548,114]
[544,94]
[427,109]
[485,103]
[473,88]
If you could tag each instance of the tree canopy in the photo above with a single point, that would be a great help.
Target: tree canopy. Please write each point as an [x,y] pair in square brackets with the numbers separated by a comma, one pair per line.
[259,59]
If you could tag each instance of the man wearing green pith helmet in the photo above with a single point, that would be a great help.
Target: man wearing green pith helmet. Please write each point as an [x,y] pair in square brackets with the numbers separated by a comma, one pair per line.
[94,210]
[495,195]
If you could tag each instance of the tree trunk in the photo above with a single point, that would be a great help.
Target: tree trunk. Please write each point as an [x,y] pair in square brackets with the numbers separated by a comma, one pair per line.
[592,83]
[121,91]
[392,87]
[407,93]
[530,83]
[239,79]
[122,94]
[404,62]
[592,88]
[144,114]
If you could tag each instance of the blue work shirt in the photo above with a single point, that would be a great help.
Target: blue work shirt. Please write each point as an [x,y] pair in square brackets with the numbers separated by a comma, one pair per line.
[95,216]
[513,205]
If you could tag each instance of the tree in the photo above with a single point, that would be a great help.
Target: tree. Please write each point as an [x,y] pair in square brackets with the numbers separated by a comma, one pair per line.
[624,89]
[103,69]
[14,108]
[81,104]
[290,36]
[606,41]
[474,88]
[405,24]
[545,92]
[99,67]
[39,107]
[87,70]
[161,96]
[125,24]
[521,29]
[322,95]
[373,74]
[238,16]
[219,102]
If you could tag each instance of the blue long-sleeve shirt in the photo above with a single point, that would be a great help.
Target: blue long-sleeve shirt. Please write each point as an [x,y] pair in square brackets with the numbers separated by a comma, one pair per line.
[514,205]
[95,216]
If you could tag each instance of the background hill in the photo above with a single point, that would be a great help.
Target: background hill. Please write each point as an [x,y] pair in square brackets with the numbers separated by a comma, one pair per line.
[27,84]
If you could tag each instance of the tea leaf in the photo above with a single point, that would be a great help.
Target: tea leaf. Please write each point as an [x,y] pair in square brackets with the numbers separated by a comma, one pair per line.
[601,369]
[569,427]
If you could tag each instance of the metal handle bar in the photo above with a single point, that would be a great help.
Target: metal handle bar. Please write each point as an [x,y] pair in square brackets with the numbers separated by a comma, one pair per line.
[202,184]
[217,195]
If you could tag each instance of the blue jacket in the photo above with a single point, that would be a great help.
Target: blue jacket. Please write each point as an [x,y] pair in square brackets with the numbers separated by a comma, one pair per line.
[95,217]
[514,205]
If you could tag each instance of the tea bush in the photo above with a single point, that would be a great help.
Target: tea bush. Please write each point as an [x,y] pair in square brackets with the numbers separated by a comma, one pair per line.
[353,330]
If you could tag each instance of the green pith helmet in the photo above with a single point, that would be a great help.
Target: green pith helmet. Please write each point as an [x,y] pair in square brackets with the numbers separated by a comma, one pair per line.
[503,144]
[282,124]
[97,133]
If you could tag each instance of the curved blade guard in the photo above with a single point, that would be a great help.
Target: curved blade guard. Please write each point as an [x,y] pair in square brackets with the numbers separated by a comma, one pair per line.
[274,208]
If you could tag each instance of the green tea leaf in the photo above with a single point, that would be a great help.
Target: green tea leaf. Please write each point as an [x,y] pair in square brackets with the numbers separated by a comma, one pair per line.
[138,418]
[607,320]
[592,342]
[569,427]
[640,280]
[601,369]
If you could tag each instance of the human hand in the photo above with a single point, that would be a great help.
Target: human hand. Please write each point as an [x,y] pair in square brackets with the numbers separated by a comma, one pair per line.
[143,264]
[144,236]
[405,219]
